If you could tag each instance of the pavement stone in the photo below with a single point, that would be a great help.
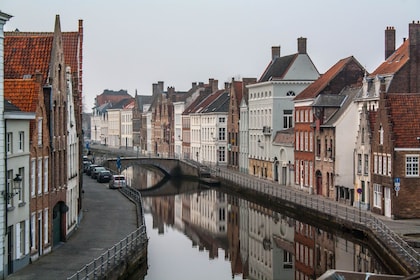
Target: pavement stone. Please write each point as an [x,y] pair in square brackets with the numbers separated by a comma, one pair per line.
[108,217]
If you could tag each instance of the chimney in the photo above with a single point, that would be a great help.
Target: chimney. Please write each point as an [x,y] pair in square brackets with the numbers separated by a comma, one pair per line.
[414,37]
[389,41]
[301,45]
[227,85]
[215,85]
[160,86]
[275,52]
[154,89]
[194,84]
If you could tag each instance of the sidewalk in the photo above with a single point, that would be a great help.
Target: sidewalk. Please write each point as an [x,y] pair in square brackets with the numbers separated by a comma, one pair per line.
[108,217]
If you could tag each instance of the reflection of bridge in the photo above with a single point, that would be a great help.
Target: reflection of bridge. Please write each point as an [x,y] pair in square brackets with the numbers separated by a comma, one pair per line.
[167,187]
[171,167]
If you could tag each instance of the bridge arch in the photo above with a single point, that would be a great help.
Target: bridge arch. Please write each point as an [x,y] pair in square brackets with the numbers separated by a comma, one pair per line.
[169,167]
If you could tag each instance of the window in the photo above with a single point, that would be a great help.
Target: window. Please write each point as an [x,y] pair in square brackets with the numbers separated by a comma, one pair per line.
[221,154]
[290,93]
[389,165]
[9,143]
[21,141]
[45,175]
[359,164]
[46,226]
[287,118]
[222,133]
[222,120]
[311,139]
[33,224]
[375,164]
[39,176]
[377,195]
[9,186]
[412,165]
[380,164]
[366,165]
[22,184]
[381,135]
[33,169]
[318,148]
[40,132]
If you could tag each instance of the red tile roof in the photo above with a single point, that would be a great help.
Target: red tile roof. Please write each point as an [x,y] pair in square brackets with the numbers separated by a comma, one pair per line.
[395,61]
[404,108]
[23,93]
[319,85]
[26,53]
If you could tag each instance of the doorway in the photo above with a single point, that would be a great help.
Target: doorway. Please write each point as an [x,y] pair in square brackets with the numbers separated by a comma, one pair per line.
[387,198]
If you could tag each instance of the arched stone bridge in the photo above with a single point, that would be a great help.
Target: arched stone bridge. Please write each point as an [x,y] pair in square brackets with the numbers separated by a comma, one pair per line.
[172,167]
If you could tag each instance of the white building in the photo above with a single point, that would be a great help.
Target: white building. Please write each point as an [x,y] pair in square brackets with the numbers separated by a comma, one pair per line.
[3,19]
[73,155]
[270,104]
[16,193]
[127,125]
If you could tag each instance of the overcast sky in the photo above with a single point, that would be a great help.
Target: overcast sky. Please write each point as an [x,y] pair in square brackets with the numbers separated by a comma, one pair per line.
[131,44]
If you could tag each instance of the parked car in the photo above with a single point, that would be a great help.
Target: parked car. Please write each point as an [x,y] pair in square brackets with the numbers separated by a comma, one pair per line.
[104,176]
[86,164]
[96,171]
[90,169]
[117,181]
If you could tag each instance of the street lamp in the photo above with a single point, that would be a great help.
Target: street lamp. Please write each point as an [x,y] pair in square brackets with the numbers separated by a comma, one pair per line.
[16,188]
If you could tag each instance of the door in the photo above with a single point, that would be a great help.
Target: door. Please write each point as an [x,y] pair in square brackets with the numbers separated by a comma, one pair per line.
[56,224]
[10,250]
[40,247]
[284,175]
[387,197]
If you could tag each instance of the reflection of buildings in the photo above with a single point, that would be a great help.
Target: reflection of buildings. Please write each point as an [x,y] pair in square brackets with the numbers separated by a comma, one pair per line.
[208,211]
[266,243]
[233,235]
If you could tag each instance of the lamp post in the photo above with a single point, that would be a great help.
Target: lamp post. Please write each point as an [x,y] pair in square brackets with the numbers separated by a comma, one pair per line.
[15,190]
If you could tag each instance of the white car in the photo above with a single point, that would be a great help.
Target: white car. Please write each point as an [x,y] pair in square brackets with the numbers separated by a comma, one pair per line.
[117,181]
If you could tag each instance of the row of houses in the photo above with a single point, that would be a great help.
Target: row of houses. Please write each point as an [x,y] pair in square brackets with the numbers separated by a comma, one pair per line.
[41,138]
[346,134]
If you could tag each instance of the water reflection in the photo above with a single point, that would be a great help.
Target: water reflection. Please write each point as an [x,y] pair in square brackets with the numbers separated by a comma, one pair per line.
[239,239]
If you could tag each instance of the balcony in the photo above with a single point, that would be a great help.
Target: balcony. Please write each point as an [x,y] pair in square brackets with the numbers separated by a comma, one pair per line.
[266,130]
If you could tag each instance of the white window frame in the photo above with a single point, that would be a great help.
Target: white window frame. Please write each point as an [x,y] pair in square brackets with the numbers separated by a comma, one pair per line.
[377,196]
[412,165]
[21,145]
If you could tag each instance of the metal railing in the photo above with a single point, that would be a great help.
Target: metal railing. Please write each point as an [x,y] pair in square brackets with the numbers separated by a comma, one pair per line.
[111,258]
[134,242]
[364,219]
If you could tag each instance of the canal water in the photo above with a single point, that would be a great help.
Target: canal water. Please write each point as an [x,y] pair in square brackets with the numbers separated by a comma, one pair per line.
[200,233]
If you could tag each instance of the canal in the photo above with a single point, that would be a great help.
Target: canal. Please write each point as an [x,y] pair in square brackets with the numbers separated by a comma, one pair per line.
[207,234]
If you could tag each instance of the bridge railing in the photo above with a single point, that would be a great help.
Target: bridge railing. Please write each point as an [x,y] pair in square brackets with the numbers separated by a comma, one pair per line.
[111,258]
[364,219]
